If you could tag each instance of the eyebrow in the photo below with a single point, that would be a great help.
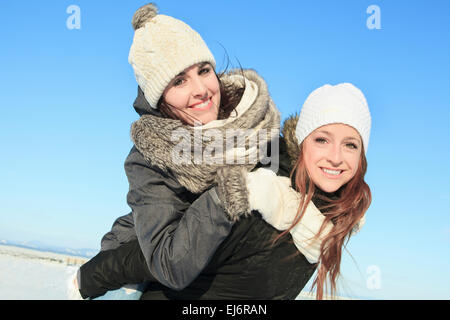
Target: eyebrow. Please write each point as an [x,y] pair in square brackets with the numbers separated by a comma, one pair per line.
[200,65]
[352,138]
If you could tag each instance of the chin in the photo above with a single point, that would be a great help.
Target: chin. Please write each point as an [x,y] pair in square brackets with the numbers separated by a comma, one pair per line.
[208,118]
[329,188]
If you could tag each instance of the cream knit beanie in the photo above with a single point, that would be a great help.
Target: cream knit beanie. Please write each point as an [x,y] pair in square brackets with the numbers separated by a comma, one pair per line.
[162,48]
[342,103]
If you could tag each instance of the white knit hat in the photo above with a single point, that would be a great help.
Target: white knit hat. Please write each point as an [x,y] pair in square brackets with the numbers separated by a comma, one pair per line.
[342,103]
[162,48]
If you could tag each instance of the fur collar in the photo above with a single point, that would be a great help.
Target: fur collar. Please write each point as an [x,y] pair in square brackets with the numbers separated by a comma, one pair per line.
[158,138]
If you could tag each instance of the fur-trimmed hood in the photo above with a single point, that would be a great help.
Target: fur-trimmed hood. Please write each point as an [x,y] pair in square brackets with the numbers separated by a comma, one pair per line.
[288,132]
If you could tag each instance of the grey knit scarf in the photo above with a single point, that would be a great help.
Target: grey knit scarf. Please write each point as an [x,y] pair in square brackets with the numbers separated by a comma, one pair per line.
[158,139]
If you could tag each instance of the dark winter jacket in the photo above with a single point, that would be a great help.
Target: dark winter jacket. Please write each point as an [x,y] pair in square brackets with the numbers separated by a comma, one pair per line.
[246,265]
[187,247]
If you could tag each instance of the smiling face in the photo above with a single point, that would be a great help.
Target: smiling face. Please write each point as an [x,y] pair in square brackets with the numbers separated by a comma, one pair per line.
[194,95]
[332,155]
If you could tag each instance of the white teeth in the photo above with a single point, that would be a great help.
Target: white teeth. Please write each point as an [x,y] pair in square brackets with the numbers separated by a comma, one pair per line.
[333,172]
[202,105]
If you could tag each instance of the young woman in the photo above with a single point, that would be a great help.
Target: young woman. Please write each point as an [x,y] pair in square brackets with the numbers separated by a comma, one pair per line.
[190,233]
[329,141]
[326,146]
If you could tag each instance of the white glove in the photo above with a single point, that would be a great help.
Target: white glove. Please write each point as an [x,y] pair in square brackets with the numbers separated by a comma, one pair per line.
[278,204]
[265,194]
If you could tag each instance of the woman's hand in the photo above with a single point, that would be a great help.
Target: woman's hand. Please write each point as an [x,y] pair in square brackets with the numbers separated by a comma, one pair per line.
[73,292]
[273,197]
[278,204]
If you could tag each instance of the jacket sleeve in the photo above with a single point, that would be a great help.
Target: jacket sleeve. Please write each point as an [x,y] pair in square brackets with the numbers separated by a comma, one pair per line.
[112,269]
[177,237]
[122,231]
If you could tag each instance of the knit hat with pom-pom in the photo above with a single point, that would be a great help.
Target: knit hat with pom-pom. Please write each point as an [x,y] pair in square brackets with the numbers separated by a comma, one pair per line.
[162,48]
[342,103]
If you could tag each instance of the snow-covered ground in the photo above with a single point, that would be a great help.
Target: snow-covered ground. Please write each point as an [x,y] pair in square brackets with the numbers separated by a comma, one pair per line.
[29,274]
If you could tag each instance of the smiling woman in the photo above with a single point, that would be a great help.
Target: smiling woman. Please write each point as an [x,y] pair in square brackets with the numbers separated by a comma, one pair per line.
[332,155]
[332,133]
[191,233]
[328,141]
[193,96]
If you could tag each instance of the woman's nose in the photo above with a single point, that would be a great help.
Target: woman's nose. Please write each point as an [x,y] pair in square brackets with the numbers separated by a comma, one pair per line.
[199,89]
[335,156]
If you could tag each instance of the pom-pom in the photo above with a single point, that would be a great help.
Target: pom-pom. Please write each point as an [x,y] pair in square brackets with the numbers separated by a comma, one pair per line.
[143,15]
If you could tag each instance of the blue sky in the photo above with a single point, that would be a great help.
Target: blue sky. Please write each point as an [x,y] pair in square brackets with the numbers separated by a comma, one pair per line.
[66,110]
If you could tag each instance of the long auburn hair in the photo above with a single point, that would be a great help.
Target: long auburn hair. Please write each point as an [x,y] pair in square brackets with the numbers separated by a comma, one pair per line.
[344,210]
[230,96]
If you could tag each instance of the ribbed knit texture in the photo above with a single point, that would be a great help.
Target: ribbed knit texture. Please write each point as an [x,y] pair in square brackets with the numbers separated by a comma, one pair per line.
[161,49]
[342,103]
